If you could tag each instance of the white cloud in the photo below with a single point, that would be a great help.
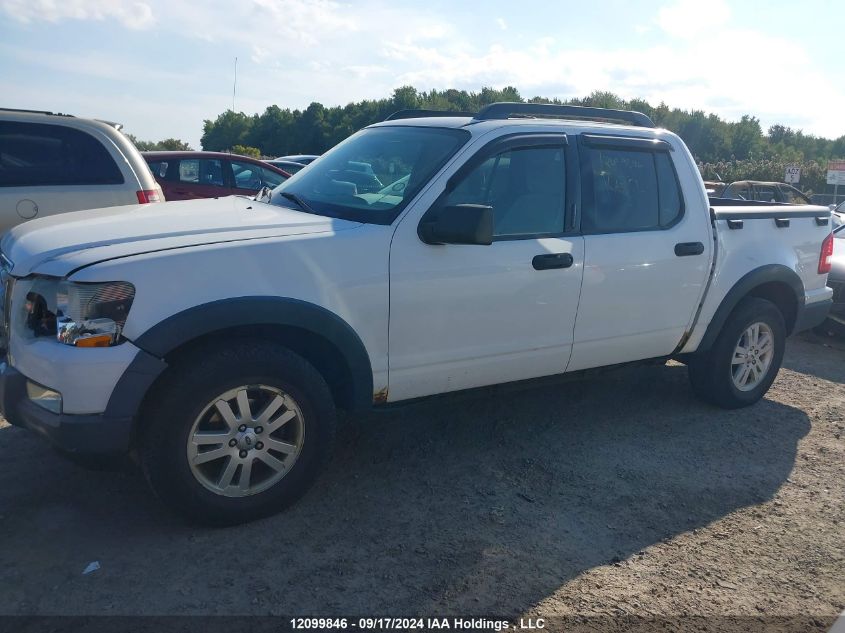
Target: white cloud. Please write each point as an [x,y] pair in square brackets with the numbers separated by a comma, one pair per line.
[132,15]
[293,52]
[364,71]
[685,72]
[691,18]
[276,28]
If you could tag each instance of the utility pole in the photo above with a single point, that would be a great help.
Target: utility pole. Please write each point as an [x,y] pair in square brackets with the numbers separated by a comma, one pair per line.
[235,84]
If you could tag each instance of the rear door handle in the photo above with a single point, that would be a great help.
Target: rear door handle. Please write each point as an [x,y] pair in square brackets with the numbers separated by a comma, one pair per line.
[685,249]
[552,260]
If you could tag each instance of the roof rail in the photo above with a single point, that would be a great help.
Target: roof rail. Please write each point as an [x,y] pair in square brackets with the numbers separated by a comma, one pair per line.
[414,114]
[506,110]
[34,111]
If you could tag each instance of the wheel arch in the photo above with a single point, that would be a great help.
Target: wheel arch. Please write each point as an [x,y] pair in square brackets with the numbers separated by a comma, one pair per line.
[320,336]
[774,282]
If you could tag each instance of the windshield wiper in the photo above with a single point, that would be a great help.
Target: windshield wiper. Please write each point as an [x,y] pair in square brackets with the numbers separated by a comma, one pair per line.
[298,202]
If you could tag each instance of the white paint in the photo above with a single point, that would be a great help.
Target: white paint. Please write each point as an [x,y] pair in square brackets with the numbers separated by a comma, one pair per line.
[432,318]
[18,204]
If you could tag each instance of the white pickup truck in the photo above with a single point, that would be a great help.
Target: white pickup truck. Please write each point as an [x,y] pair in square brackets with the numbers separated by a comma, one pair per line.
[216,338]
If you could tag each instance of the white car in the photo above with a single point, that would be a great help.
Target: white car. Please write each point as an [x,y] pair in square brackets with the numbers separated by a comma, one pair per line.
[217,338]
[55,163]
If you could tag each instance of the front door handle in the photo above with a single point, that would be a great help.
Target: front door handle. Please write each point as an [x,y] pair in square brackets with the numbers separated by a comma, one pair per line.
[552,260]
[685,249]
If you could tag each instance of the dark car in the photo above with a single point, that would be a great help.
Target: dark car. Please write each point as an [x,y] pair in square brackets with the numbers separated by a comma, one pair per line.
[189,175]
[302,159]
[765,192]
[286,165]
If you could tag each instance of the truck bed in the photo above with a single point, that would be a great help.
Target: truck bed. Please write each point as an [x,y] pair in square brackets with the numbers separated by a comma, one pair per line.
[750,235]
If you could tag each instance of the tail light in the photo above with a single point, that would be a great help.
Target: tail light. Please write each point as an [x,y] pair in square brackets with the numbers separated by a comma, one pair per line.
[146,196]
[826,255]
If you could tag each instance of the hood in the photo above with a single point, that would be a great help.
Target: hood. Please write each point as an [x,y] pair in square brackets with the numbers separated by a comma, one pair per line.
[59,244]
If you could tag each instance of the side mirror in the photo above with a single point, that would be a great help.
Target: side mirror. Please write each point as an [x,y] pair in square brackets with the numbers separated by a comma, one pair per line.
[458,224]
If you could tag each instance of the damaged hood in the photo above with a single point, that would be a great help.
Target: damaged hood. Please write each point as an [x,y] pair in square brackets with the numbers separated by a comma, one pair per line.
[59,244]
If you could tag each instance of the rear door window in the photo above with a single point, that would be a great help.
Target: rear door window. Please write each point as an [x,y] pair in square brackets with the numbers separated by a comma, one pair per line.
[766,193]
[630,190]
[36,154]
[201,171]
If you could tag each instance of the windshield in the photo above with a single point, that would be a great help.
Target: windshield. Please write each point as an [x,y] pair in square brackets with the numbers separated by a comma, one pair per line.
[372,175]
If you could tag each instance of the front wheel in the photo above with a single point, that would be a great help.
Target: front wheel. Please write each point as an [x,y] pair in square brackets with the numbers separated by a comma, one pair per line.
[238,433]
[745,358]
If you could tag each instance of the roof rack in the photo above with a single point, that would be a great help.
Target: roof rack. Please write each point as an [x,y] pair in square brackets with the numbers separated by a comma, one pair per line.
[34,111]
[414,114]
[506,110]
[116,126]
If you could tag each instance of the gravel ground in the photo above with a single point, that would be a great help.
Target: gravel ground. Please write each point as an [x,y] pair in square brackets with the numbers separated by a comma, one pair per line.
[618,495]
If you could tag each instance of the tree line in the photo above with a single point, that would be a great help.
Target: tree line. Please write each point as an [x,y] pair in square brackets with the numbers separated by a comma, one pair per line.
[168,144]
[733,150]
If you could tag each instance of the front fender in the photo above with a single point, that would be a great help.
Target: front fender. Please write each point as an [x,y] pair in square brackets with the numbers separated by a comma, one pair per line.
[183,327]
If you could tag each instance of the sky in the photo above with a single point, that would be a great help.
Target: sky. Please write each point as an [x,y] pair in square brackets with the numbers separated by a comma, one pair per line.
[161,67]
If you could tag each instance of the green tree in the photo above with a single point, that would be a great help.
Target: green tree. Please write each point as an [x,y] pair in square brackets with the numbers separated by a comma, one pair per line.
[229,129]
[246,150]
[747,137]
[173,144]
[166,144]
[734,149]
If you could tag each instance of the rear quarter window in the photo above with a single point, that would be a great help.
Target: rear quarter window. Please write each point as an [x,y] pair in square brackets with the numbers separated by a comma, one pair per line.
[36,154]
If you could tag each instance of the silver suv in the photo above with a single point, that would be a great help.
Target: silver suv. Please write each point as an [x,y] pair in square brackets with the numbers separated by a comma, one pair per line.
[54,163]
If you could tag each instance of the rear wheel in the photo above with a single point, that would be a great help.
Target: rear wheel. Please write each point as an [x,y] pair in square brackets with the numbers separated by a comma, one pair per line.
[238,433]
[745,358]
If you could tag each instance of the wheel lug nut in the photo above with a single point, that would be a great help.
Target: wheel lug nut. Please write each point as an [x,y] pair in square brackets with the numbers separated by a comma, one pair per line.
[243,454]
[259,445]
[233,442]
[259,429]
[242,428]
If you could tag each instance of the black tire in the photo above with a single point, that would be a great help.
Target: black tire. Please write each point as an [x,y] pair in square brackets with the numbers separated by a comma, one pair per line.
[710,372]
[196,380]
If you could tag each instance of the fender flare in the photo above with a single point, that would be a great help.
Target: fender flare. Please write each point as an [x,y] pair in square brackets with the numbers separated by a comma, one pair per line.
[176,330]
[742,288]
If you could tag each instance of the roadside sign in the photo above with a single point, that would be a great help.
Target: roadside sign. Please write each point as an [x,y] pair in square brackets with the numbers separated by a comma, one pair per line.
[836,172]
[835,177]
[793,175]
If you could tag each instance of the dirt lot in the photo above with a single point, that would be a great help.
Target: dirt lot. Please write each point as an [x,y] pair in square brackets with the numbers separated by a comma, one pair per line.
[618,495]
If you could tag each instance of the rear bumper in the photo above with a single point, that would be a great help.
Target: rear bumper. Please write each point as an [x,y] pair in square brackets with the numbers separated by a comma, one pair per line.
[812,314]
[89,434]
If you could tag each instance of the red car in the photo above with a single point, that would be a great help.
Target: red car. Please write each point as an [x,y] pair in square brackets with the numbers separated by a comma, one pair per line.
[188,175]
